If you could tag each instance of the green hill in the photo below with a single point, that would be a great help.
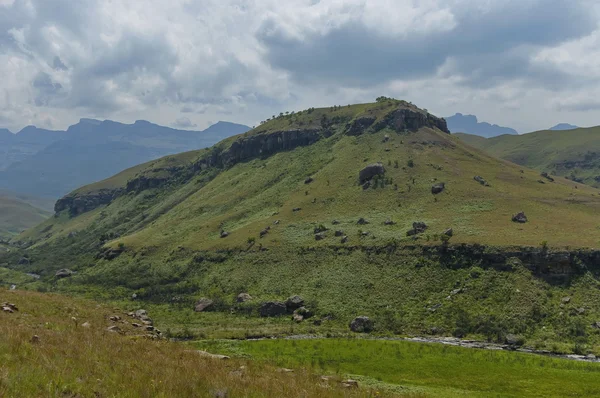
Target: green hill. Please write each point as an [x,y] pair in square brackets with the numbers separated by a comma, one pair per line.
[276,212]
[572,153]
[17,215]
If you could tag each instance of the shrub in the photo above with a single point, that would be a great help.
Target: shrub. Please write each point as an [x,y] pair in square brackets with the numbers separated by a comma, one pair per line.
[410,163]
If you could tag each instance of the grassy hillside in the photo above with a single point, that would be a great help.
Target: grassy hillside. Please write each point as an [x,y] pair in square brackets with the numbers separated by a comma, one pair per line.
[189,226]
[17,215]
[57,346]
[573,153]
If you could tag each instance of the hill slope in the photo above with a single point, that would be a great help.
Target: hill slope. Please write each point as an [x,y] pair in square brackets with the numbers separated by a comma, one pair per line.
[469,124]
[276,211]
[571,153]
[50,164]
[17,215]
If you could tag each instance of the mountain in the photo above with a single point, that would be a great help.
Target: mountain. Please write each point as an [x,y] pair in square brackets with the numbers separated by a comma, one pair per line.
[563,126]
[369,209]
[51,164]
[16,215]
[17,147]
[460,123]
[574,154]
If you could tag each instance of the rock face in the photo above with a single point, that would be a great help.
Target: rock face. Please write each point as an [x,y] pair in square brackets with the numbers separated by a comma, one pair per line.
[361,324]
[438,188]
[272,308]
[78,203]
[63,273]
[481,180]
[203,304]
[449,232]
[370,171]
[358,126]
[411,119]
[520,217]
[293,303]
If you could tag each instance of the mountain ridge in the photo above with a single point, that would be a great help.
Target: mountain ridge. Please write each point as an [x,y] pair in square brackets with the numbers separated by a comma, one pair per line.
[459,123]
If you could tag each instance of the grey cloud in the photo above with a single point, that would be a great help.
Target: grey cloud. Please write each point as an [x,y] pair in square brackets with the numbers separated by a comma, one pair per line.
[187,109]
[58,64]
[579,105]
[184,122]
[353,54]
[46,90]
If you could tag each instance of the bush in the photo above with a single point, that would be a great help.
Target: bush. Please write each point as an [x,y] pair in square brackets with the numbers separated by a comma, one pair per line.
[410,163]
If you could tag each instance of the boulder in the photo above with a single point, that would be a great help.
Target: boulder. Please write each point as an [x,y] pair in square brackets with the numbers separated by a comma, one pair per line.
[308,180]
[264,232]
[449,232]
[339,233]
[141,313]
[304,312]
[224,234]
[566,300]
[297,318]
[113,329]
[520,217]
[361,324]
[362,221]
[547,176]
[320,236]
[294,302]
[63,273]
[295,209]
[203,304]
[438,188]
[335,222]
[344,239]
[24,261]
[370,171]
[418,228]
[243,297]
[481,180]
[389,222]
[272,308]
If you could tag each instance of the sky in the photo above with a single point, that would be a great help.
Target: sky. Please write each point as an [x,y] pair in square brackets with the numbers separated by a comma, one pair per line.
[526,64]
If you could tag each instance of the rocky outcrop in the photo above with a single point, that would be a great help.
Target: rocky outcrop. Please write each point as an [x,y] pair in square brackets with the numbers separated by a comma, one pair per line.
[203,304]
[293,303]
[79,203]
[438,188]
[370,171]
[359,125]
[63,273]
[361,324]
[272,308]
[411,119]
[520,217]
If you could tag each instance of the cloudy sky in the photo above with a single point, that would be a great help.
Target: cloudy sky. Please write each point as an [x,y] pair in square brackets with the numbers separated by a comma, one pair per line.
[527,64]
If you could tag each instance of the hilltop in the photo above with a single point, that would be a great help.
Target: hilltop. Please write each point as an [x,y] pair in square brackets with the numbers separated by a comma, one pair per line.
[372,209]
[469,124]
[568,153]
[563,126]
[51,163]
[16,215]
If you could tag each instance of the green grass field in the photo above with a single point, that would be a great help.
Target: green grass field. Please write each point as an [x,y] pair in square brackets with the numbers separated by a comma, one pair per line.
[17,215]
[428,369]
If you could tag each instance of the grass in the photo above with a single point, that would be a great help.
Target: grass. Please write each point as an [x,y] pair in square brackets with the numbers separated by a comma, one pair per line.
[431,369]
[70,360]
[17,215]
[572,153]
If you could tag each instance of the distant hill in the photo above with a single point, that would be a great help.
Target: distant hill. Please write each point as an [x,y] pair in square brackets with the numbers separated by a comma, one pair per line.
[469,124]
[51,163]
[563,126]
[574,154]
[16,215]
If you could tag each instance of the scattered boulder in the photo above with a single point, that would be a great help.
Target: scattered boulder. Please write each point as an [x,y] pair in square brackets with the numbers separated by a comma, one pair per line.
[304,312]
[362,221]
[243,297]
[224,234]
[308,180]
[7,309]
[115,318]
[295,209]
[320,236]
[339,233]
[386,138]
[297,318]
[361,324]
[389,222]
[264,232]
[319,229]
[63,273]
[24,261]
[203,304]
[335,222]
[438,188]
[418,228]
[547,176]
[481,180]
[141,313]
[370,171]
[294,302]
[272,308]
[86,325]
[344,239]
[519,217]
[566,300]
[449,232]
[214,356]
[350,383]
[35,339]
[113,329]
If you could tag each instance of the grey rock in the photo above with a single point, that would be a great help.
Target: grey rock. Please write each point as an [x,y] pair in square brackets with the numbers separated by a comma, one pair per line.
[304,312]
[418,228]
[344,239]
[272,309]
[203,304]
[362,221]
[520,217]
[320,236]
[308,180]
[449,232]
[389,222]
[566,300]
[361,324]
[339,233]
[438,188]
[63,273]
[370,171]
[224,234]
[294,302]
[243,297]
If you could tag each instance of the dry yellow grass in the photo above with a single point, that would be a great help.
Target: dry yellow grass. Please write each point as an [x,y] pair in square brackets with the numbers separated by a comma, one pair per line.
[68,360]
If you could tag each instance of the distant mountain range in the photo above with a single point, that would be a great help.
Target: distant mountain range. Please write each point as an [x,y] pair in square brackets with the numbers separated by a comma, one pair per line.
[469,124]
[50,163]
[563,126]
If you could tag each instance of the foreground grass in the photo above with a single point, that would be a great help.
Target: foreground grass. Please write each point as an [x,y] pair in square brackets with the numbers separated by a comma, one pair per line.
[433,369]
[69,360]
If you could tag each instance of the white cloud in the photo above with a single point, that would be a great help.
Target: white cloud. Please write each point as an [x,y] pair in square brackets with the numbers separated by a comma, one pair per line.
[248,59]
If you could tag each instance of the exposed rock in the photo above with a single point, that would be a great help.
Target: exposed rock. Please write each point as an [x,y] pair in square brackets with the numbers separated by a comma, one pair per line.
[519,217]
[359,125]
[335,222]
[86,325]
[141,313]
[12,307]
[24,261]
[370,171]
[79,203]
[210,355]
[243,297]
[136,325]
[297,318]
[547,176]
[566,300]
[449,232]
[293,303]
[320,236]
[389,222]
[361,324]
[285,370]
[366,185]
[35,339]
[438,188]
[63,273]
[7,309]
[339,233]
[115,318]
[113,329]
[362,221]
[386,138]
[304,312]
[308,180]
[272,308]
[344,239]
[481,180]
[411,118]
[109,253]
[295,209]
[203,304]
[264,232]
[319,229]
[418,228]
[224,234]
[350,383]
